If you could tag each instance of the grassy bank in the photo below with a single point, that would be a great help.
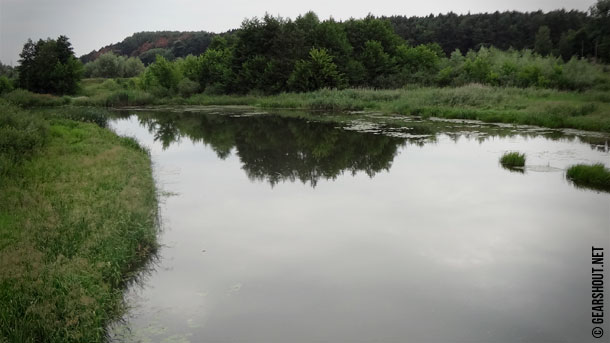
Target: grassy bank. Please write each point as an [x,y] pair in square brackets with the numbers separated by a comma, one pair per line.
[77,217]
[588,110]
[547,108]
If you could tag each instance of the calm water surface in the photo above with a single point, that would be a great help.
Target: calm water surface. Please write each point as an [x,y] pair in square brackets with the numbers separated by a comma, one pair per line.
[283,230]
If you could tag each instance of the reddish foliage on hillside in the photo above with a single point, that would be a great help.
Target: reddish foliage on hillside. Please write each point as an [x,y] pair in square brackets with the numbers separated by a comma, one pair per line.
[145,47]
[162,42]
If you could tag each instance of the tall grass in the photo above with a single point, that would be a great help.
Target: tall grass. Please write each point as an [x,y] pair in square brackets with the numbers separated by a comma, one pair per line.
[26,98]
[595,176]
[95,115]
[529,106]
[77,218]
[541,107]
[21,135]
[513,159]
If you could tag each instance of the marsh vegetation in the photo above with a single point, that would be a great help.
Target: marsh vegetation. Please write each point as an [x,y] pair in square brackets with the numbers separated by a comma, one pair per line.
[596,176]
[513,159]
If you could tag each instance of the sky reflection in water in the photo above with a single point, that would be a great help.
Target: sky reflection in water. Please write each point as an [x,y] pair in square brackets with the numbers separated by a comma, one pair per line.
[282,230]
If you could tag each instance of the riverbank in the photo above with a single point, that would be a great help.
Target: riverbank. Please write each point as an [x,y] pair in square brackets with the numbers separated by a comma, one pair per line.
[77,218]
[588,110]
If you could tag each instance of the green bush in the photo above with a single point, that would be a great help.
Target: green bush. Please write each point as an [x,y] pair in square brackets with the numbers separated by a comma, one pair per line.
[318,71]
[6,85]
[187,87]
[21,134]
[161,74]
[110,85]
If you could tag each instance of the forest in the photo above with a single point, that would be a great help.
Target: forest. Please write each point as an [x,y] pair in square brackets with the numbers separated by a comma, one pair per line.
[559,50]
[273,54]
[571,33]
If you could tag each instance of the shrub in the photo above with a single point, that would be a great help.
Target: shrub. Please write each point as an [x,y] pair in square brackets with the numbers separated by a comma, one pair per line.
[133,67]
[6,85]
[187,87]
[318,71]
[161,76]
[110,85]
[21,134]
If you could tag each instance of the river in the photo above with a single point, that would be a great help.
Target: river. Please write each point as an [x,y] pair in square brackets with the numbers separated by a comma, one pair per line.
[280,229]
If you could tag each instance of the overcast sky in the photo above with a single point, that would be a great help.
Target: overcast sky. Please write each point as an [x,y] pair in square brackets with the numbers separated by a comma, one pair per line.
[93,24]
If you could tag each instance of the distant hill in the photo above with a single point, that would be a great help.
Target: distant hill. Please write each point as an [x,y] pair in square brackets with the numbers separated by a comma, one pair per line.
[146,45]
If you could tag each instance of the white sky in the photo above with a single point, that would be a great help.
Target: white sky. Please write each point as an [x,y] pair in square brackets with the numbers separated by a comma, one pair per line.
[93,24]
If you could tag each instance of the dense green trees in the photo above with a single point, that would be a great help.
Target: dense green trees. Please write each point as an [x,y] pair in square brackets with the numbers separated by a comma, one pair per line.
[161,77]
[215,74]
[49,66]
[599,29]
[571,33]
[275,54]
[270,46]
[543,44]
[316,72]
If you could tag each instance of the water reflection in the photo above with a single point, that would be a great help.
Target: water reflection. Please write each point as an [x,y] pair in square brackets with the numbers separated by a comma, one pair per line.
[276,148]
[518,170]
[444,246]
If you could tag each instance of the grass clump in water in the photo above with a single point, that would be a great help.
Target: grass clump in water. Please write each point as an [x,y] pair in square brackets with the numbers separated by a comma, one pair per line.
[513,159]
[595,176]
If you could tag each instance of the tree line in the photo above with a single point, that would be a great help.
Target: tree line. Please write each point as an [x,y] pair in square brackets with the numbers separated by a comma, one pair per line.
[569,33]
[274,54]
